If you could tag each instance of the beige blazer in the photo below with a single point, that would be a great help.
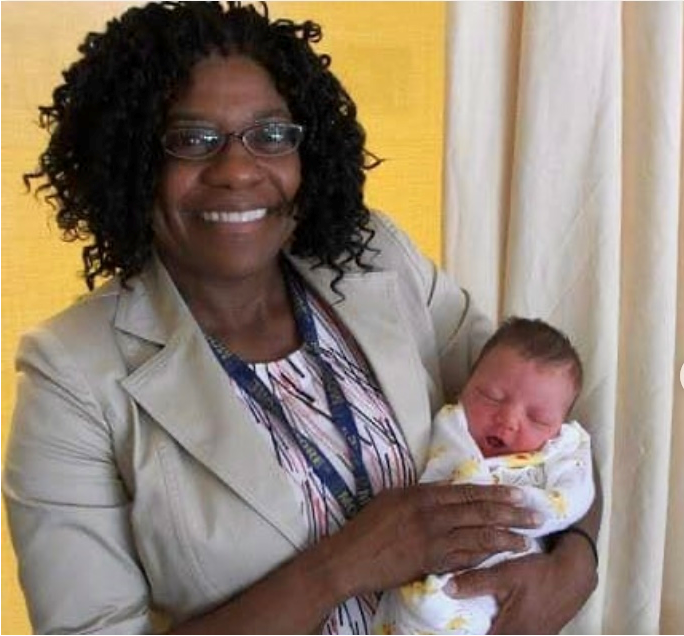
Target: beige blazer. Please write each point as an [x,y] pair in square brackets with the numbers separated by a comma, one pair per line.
[134,477]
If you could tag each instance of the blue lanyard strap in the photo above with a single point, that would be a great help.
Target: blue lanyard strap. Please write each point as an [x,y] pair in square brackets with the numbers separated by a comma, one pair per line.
[340,410]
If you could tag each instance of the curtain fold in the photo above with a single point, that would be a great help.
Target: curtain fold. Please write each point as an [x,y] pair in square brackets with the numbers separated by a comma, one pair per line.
[562,201]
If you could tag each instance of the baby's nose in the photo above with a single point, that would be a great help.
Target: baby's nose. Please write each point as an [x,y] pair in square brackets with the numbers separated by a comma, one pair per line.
[508,420]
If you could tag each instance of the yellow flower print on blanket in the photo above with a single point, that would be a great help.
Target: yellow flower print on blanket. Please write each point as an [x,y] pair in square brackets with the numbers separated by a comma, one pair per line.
[457,624]
[413,592]
[522,460]
[466,470]
[559,504]
[437,451]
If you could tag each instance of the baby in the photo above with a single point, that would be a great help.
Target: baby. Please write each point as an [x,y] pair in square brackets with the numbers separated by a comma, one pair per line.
[509,428]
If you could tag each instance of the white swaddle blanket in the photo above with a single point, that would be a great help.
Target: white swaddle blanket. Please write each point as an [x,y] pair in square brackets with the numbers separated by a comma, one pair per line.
[557,482]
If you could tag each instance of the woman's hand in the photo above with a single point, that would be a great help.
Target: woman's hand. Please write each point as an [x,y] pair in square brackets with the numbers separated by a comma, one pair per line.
[401,535]
[537,594]
[405,534]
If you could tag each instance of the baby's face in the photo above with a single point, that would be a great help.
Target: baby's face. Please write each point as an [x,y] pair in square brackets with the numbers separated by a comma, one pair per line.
[515,405]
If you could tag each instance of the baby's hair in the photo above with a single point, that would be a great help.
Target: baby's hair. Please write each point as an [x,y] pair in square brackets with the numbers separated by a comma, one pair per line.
[537,340]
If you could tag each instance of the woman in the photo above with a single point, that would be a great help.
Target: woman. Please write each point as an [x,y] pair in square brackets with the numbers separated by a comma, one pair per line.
[224,437]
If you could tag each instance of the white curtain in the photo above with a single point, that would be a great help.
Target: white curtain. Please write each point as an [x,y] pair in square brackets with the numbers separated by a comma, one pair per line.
[563,188]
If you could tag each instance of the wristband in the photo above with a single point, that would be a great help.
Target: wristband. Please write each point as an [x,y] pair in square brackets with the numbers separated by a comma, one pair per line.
[586,535]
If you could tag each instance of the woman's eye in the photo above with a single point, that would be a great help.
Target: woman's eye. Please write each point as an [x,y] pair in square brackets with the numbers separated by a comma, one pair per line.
[271,135]
[193,138]
[192,141]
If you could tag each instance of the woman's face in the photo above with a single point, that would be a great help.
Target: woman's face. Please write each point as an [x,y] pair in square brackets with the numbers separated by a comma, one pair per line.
[227,216]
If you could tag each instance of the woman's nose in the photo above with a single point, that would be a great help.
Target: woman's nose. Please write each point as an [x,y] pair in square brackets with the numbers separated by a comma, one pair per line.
[233,167]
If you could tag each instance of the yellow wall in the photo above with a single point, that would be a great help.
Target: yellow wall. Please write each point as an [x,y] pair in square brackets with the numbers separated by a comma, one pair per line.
[389,55]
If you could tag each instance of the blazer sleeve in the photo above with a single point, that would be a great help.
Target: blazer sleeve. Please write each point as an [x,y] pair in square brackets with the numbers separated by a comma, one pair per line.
[67,505]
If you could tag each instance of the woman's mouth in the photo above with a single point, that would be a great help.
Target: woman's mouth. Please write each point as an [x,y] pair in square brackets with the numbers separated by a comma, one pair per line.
[245,216]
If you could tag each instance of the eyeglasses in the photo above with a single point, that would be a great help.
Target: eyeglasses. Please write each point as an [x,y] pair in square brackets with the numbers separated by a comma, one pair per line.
[267,139]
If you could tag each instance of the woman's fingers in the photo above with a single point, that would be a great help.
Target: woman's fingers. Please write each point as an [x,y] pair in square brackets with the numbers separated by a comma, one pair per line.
[405,534]
[467,547]
[490,508]
[484,513]
[536,594]
[445,494]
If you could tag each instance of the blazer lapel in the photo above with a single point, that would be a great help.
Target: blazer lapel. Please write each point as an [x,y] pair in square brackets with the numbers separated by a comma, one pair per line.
[371,310]
[205,416]
[210,421]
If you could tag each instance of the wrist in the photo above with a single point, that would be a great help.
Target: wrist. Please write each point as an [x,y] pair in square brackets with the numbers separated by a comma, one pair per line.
[572,550]
[584,536]
[327,571]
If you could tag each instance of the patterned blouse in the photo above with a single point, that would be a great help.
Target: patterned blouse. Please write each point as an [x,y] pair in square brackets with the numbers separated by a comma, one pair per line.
[296,383]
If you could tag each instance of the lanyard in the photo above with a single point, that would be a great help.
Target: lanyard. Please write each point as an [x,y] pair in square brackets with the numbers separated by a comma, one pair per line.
[340,410]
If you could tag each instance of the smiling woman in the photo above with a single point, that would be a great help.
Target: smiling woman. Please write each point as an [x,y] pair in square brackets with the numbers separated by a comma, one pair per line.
[411,141]
[232,351]
[31,293]
[219,437]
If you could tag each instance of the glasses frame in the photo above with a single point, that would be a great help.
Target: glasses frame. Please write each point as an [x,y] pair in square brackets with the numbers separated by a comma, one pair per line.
[240,135]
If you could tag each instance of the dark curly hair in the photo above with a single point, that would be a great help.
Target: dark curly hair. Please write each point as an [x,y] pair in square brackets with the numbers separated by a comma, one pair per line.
[104,157]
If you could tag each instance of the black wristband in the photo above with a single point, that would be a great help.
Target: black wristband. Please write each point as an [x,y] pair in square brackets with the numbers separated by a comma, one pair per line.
[586,535]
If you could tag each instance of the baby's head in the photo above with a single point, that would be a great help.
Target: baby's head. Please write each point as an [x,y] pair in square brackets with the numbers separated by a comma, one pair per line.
[522,387]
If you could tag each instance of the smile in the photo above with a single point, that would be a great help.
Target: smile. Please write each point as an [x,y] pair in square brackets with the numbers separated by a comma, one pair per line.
[233,217]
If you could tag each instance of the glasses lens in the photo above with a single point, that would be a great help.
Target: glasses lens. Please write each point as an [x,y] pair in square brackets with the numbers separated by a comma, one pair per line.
[192,143]
[273,138]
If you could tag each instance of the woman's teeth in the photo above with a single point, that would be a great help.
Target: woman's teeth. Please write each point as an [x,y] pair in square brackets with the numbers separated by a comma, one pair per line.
[234,217]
